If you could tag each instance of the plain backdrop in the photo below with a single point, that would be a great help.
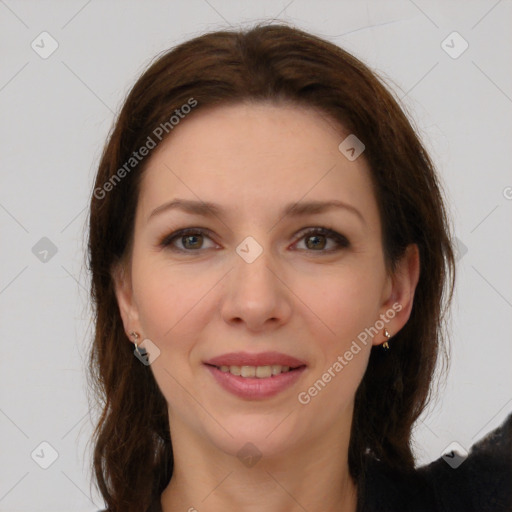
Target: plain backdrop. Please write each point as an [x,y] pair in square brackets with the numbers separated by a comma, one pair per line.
[56,114]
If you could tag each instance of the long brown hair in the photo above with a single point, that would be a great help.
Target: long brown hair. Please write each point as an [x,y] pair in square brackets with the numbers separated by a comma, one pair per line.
[133,459]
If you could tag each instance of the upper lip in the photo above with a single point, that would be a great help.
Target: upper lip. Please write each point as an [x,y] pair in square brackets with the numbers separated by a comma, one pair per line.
[261,359]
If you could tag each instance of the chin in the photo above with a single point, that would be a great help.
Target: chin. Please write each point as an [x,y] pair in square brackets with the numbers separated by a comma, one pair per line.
[256,435]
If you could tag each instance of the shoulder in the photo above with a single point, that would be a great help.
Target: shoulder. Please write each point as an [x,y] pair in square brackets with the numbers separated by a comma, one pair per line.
[481,483]
[386,489]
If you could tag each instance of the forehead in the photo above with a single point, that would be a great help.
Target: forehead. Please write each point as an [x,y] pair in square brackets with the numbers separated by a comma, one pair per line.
[256,157]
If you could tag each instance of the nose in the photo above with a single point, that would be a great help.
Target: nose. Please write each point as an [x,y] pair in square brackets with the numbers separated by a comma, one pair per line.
[255,293]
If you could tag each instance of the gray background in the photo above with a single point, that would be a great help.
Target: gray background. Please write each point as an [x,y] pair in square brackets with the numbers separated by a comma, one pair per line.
[56,113]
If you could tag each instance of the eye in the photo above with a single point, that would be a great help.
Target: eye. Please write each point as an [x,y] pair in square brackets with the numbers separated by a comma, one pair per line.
[191,240]
[315,239]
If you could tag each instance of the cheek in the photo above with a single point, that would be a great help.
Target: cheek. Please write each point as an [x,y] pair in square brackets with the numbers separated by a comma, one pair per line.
[345,307]
[165,297]
[345,300]
[168,301]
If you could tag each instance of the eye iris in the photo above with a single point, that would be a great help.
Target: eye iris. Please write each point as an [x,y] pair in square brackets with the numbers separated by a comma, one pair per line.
[188,237]
[315,244]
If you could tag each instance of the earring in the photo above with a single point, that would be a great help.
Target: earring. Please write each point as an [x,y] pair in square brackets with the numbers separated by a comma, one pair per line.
[385,345]
[135,335]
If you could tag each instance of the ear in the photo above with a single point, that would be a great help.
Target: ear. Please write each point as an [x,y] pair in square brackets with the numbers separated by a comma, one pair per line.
[121,276]
[398,297]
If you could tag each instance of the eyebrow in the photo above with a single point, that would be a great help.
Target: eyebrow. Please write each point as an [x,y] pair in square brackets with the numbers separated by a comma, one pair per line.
[208,209]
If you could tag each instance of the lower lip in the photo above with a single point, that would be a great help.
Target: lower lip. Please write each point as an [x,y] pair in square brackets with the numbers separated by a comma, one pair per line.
[253,388]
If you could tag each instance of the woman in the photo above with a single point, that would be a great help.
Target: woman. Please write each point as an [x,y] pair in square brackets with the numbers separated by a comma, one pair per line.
[270,234]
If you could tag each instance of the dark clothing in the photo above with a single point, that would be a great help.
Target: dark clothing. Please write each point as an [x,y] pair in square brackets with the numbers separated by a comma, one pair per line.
[481,483]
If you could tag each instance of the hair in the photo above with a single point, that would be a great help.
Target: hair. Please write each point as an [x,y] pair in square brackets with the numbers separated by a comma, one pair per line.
[133,456]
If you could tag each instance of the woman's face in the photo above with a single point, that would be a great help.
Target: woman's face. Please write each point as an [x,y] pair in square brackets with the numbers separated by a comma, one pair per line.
[251,278]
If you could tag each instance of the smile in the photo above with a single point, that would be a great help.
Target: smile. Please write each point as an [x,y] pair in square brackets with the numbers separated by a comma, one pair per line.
[255,382]
[260,372]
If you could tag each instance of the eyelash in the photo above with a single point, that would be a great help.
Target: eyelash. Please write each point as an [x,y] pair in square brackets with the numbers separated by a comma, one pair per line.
[341,240]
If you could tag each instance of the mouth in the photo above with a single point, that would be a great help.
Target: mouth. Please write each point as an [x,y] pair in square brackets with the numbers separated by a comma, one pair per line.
[255,383]
[257,372]
[254,376]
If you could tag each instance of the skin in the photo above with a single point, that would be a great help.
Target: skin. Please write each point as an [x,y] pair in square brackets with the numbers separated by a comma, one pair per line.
[297,298]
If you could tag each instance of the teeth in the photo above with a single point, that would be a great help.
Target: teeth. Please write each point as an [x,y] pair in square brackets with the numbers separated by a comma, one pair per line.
[260,372]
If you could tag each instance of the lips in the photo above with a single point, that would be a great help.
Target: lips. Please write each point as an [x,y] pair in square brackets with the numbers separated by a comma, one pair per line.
[261,359]
[250,388]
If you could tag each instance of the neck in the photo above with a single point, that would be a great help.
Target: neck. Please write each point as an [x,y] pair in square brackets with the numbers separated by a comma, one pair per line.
[312,477]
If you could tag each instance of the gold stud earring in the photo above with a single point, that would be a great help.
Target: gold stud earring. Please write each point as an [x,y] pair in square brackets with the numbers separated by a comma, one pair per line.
[385,345]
